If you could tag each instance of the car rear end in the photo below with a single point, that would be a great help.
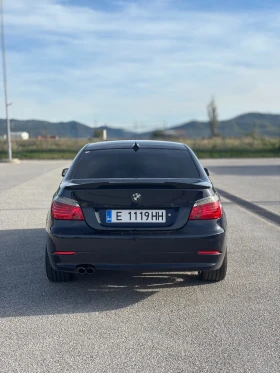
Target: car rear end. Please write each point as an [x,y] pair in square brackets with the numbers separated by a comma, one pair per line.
[146,206]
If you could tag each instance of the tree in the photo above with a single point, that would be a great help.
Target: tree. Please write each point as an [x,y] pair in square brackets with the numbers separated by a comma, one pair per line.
[97,133]
[157,134]
[213,117]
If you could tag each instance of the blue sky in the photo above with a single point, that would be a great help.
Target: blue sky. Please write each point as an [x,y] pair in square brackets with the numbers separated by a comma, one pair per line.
[119,62]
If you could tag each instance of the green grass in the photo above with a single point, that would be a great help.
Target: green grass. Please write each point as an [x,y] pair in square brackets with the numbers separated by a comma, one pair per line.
[237,153]
[66,154]
[45,154]
[204,148]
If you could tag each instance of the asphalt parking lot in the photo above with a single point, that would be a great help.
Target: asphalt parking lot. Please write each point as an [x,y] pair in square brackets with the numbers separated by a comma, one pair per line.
[125,322]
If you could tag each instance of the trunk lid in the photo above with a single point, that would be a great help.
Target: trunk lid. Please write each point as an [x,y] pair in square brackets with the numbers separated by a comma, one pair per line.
[175,196]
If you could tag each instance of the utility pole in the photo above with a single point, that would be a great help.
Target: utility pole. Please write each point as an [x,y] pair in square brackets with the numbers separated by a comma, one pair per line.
[7,104]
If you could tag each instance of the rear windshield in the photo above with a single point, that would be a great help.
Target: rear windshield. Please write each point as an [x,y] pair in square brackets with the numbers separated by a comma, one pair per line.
[145,163]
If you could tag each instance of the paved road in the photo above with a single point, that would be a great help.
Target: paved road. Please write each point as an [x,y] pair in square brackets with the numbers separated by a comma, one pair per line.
[255,180]
[138,323]
[12,175]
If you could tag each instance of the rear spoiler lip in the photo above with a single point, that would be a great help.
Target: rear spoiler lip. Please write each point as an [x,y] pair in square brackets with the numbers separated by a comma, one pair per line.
[75,184]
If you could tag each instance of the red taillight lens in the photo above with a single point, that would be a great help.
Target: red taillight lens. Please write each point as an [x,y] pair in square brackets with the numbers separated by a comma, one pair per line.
[64,211]
[206,209]
[64,252]
[209,253]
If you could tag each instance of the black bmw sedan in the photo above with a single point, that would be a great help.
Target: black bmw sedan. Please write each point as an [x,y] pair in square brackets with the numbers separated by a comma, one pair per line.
[136,205]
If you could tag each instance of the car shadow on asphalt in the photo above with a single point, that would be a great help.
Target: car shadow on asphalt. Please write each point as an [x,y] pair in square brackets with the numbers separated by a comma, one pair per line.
[25,290]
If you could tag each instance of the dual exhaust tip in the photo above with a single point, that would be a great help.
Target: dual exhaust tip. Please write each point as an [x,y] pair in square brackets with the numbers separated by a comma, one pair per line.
[88,269]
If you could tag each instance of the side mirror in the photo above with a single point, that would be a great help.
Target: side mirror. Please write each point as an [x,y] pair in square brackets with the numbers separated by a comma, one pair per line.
[64,172]
[206,170]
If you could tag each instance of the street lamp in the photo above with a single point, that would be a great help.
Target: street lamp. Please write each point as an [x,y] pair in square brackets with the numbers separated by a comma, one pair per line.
[7,104]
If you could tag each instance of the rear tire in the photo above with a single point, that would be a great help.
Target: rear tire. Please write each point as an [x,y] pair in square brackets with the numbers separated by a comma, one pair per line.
[56,276]
[217,274]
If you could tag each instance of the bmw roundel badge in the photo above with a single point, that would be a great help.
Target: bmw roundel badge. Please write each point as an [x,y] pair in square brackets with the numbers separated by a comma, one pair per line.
[136,197]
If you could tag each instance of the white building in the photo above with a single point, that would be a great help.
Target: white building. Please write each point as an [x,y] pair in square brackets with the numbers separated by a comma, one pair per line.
[18,135]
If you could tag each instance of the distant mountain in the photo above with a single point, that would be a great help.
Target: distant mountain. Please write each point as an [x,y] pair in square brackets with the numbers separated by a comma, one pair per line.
[37,128]
[251,123]
[72,129]
[259,124]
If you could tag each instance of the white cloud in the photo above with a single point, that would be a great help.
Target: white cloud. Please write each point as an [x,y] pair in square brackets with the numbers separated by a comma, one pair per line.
[149,63]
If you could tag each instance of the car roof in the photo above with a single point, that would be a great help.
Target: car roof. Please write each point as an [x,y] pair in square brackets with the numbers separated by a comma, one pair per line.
[127,144]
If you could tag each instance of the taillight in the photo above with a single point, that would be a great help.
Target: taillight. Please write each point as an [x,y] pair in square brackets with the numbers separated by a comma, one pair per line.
[64,252]
[206,209]
[209,252]
[66,209]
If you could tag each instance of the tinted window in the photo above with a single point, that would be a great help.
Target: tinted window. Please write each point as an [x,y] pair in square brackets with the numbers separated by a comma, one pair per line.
[145,163]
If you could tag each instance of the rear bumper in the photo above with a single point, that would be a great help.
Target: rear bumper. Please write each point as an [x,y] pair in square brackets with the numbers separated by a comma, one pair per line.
[140,251]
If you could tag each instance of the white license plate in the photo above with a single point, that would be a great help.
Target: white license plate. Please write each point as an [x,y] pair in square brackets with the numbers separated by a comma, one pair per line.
[135,216]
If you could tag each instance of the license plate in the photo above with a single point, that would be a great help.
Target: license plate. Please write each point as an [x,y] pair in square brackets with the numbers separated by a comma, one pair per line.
[135,216]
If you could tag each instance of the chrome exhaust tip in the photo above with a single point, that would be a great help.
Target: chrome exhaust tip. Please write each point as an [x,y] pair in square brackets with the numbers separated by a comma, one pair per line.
[82,270]
[90,270]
